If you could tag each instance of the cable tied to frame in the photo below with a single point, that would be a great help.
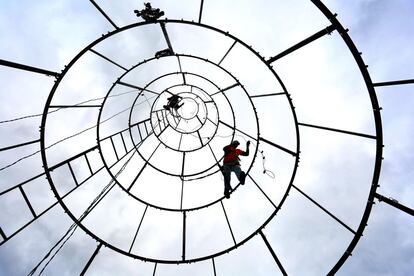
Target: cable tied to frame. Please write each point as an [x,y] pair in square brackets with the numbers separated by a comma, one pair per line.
[59,245]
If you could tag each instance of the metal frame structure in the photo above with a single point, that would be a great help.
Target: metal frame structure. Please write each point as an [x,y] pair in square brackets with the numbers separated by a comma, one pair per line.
[335,26]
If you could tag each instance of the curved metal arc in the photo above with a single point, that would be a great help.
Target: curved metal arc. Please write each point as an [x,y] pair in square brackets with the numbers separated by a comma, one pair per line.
[378,127]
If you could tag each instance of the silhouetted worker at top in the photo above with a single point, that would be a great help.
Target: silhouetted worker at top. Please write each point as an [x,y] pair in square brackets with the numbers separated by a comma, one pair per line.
[149,13]
[173,102]
[231,163]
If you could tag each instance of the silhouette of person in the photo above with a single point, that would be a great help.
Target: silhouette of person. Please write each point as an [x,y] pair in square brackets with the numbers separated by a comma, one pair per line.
[173,102]
[231,163]
[149,13]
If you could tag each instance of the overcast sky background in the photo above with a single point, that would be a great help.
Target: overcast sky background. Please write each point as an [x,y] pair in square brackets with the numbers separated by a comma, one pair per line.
[326,88]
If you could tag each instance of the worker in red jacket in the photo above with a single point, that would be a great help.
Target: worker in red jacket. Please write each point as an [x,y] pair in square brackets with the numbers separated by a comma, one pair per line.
[231,163]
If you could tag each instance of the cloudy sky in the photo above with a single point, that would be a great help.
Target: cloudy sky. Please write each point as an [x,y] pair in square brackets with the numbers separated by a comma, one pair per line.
[141,215]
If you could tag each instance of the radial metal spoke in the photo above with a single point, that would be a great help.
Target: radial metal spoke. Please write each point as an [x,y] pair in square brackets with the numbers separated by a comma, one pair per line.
[139,226]
[268,198]
[27,201]
[394,203]
[304,42]
[181,70]
[113,146]
[201,11]
[123,142]
[214,267]
[20,145]
[108,59]
[199,137]
[167,38]
[225,89]
[28,68]
[3,235]
[278,146]
[104,14]
[267,95]
[184,233]
[91,259]
[396,82]
[155,269]
[73,174]
[340,131]
[279,264]
[228,223]
[228,51]
[179,143]
[323,209]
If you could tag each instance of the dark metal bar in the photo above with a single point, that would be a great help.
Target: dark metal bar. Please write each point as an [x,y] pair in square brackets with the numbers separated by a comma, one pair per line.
[155,269]
[323,209]
[340,130]
[88,163]
[2,234]
[183,165]
[104,14]
[394,203]
[20,145]
[146,129]
[108,59]
[397,82]
[214,267]
[201,11]
[163,118]
[28,68]
[279,264]
[179,144]
[304,42]
[182,192]
[136,177]
[139,131]
[159,120]
[274,205]
[91,259]
[73,174]
[113,145]
[225,89]
[167,38]
[267,95]
[228,51]
[228,223]
[74,106]
[162,131]
[181,70]
[139,226]
[277,146]
[211,121]
[123,142]
[184,233]
[199,137]
[27,201]
[198,118]
[136,87]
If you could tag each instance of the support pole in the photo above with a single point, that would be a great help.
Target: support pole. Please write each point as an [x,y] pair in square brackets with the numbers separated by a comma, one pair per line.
[394,203]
